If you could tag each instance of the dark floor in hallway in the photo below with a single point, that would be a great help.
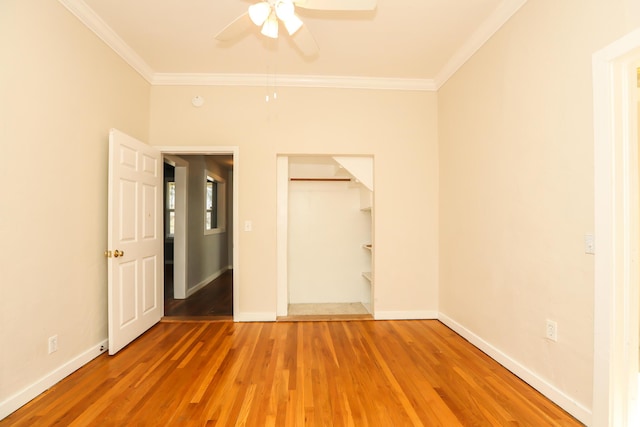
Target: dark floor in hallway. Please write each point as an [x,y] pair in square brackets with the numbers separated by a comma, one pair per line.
[215,300]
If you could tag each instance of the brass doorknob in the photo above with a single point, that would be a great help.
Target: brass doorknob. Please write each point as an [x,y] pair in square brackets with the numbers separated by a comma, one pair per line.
[118,253]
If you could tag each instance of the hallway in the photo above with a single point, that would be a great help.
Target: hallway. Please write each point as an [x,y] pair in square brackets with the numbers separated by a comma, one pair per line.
[214,301]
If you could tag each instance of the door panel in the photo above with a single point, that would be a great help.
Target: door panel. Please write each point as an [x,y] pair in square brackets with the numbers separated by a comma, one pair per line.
[127,293]
[135,282]
[127,222]
[149,200]
[150,296]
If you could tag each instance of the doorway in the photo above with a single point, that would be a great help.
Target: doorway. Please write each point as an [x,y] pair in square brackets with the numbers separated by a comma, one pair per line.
[201,208]
[196,211]
[617,231]
[325,237]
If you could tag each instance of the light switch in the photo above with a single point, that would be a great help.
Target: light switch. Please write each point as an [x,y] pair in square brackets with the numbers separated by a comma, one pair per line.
[589,244]
[248,226]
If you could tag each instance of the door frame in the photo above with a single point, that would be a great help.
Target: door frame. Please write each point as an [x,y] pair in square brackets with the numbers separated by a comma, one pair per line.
[282,230]
[282,235]
[617,223]
[213,151]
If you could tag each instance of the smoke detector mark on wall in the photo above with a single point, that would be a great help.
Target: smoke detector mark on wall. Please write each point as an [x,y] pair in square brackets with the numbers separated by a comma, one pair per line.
[197,101]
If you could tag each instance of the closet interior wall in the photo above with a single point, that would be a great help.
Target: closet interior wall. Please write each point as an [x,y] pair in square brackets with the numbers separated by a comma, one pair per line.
[329,235]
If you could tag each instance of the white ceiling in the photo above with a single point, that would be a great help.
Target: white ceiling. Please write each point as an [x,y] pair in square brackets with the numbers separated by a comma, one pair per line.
[417,41]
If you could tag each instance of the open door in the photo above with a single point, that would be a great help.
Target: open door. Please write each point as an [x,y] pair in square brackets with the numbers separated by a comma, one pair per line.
[135,263]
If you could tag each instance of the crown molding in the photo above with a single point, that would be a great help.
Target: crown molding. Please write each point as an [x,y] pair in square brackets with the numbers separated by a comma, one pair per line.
[289,80]
[496,20]
[91,20]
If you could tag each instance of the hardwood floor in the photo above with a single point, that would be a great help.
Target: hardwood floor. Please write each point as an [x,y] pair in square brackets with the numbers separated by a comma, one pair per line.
[214,301]
[359,373]
[319,312]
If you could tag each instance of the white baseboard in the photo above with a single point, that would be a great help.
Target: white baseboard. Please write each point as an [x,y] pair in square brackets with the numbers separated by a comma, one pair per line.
[206,281]
[561,399]
[255,317]
[405,315]
[10,405]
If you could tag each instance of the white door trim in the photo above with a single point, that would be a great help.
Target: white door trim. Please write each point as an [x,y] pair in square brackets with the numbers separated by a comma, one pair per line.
[235,152]
[616,307]
[282,235]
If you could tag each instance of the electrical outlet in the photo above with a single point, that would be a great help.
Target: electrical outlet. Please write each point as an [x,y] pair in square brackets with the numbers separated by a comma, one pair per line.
[552,330]
[53,344]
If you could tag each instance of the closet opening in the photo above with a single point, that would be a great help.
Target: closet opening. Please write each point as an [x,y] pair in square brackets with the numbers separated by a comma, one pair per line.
[325,237]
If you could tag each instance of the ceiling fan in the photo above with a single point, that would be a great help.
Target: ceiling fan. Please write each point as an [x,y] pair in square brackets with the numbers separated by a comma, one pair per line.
[270,14]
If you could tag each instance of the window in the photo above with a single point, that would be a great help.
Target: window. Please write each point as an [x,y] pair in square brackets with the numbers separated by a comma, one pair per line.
[214,204]
[211,214]
[171,208]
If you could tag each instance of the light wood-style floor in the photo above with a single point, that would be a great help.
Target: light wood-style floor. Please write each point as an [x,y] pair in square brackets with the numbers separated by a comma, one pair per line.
[358,373]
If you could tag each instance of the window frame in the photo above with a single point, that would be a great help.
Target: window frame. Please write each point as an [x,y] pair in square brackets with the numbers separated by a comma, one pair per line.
[168,209]
[220,208]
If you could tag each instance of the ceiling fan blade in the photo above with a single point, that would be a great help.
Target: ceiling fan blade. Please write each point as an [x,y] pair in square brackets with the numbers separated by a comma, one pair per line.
[336,4]
[305,42]
[235,29]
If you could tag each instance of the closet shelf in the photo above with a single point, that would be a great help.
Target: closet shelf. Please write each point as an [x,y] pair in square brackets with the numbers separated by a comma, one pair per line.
[367,275]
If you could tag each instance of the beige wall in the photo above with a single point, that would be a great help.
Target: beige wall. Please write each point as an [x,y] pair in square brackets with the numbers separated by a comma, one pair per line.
[398,128]
[61,90]
[516,161]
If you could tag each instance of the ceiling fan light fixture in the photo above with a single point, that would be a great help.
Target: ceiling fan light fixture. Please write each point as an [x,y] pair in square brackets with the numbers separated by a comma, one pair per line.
[259,12]
[285,10]
[293,24]
[270,27]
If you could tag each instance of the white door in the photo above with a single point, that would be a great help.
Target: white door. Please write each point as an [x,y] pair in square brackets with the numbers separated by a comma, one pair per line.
[135,270]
